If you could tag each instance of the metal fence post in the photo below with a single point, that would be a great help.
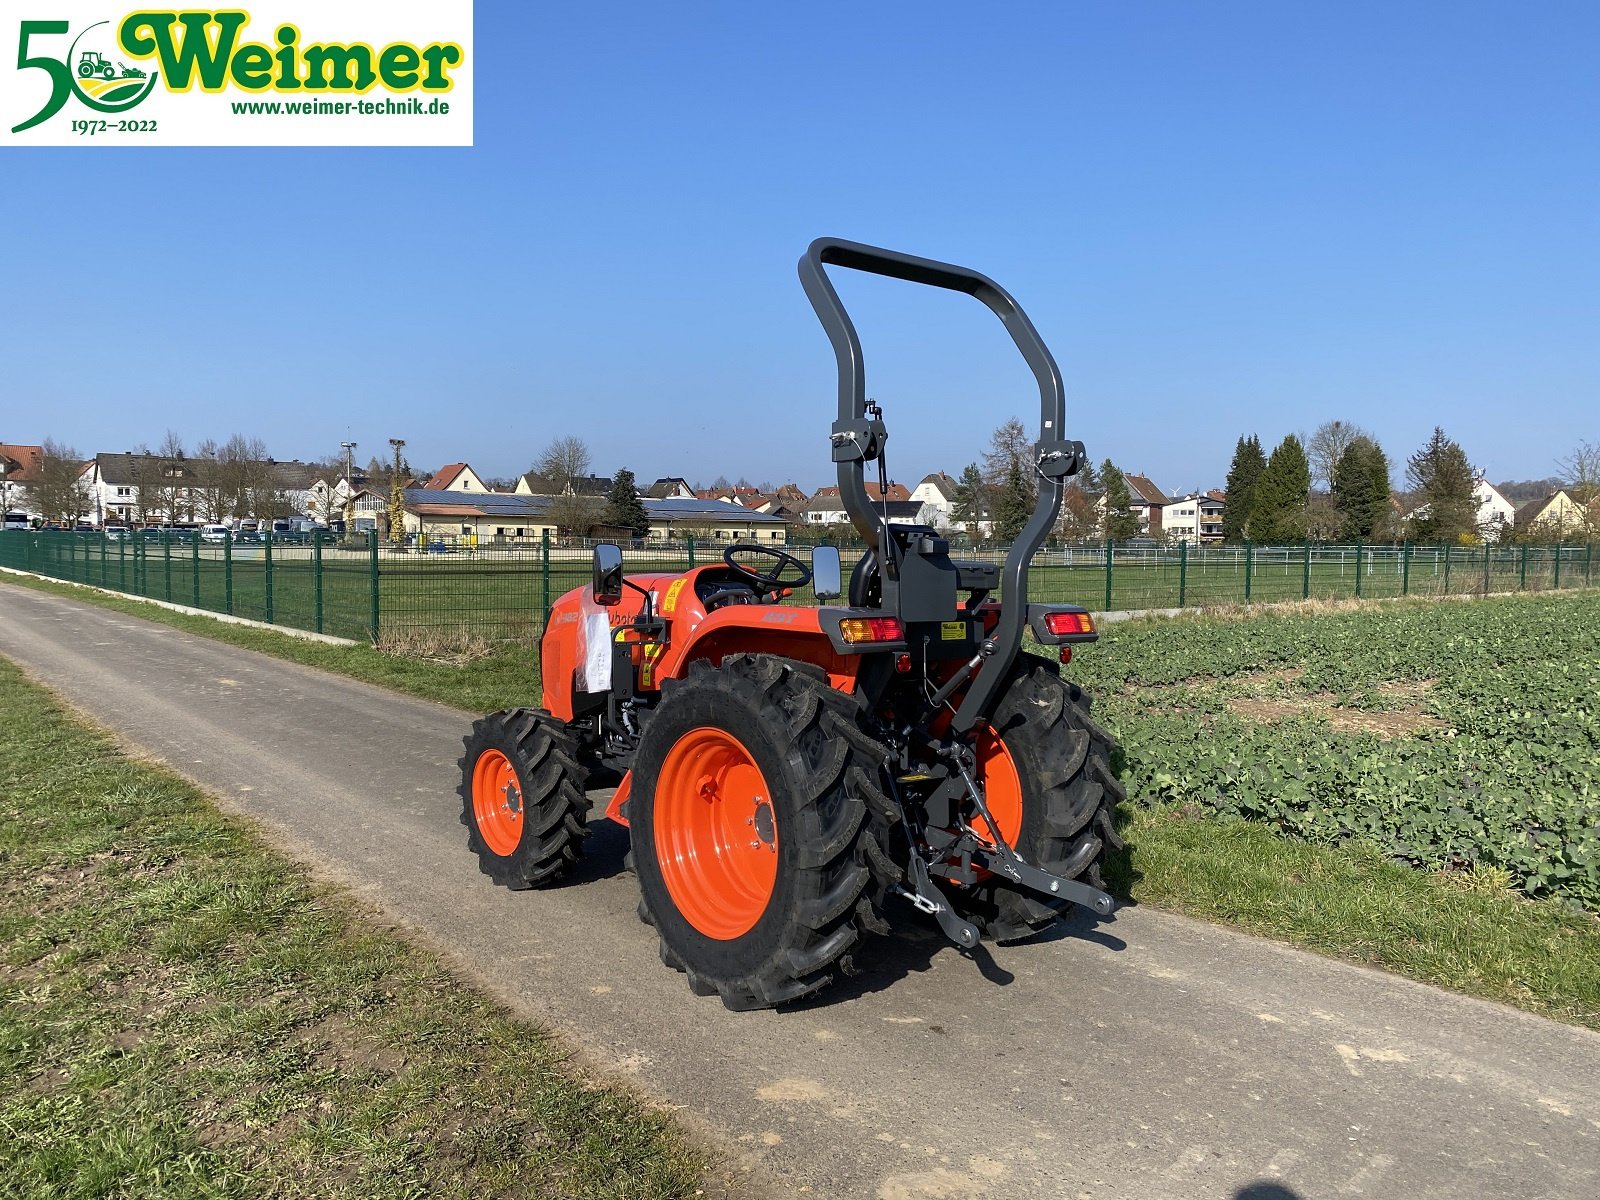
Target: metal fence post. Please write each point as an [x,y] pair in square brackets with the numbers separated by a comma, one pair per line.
[122,563]
[316,577]
[1588,562]
[1108,574]
[544,561]
[1447,568]
[194,570]
[166,559]
[372,559]
[1249,567]
[1183,573]
[1556,582]
[105,576]
[1522,571]
[690,540]
[1486,568]
[1405,568]
[266,540]
[227,575]
[1358,570]
[1305,583]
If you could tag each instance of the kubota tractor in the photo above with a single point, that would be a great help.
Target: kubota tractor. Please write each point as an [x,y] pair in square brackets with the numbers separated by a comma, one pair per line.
[784,769]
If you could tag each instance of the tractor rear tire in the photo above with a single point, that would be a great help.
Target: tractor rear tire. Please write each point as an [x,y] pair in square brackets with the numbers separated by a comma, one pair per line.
[522,798]
[753,840]
[1068,796]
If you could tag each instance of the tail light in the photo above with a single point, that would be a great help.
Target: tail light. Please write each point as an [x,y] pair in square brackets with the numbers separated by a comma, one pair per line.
[856,630]
[1062,624]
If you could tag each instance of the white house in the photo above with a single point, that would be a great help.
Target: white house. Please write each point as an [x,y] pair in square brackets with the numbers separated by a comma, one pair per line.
[1195,518]
[938,490]
[1496,514]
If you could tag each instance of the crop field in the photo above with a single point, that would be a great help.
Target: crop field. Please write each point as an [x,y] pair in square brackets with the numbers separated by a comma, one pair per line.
[1456,737]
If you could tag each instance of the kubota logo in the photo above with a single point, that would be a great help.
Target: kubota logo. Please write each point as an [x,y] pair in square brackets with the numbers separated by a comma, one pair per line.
[113,66]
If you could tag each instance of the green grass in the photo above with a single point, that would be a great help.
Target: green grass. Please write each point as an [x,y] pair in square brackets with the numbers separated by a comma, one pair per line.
[183,1013]
[1342,900]
[1464,931]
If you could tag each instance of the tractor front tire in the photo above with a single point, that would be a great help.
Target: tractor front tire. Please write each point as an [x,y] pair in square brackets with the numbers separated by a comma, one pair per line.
[1054,760]
[522,798]
[752,838]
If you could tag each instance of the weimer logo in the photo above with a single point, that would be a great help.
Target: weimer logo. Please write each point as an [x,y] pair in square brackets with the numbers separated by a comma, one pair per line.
[356,91]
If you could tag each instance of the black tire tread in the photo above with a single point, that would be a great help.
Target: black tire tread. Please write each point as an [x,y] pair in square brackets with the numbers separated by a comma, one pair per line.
[1080,794]
[812,725]
[555,806]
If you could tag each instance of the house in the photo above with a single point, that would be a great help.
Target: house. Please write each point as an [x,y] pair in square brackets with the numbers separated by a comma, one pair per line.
[1555,515]
[495,517]
[532,484]
[1195,518]
[1148,503]
[149,489]
[825,508]
[456,477]
[669,487]
[21,470]
[938,490]
[1496,514]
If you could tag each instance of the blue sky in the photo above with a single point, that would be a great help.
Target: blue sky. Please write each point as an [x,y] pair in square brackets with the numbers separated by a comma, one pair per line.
[1223,217]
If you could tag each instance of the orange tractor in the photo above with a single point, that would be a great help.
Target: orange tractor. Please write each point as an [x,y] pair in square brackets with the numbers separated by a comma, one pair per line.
[785,769]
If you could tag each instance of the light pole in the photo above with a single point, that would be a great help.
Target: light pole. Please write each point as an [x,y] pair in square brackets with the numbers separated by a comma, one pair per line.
[349,500]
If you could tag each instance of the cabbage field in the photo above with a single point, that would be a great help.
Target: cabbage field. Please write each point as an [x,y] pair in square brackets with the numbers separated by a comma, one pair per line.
[1453,735]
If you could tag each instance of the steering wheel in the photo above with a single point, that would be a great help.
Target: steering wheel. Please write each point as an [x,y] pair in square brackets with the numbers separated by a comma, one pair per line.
[774,579]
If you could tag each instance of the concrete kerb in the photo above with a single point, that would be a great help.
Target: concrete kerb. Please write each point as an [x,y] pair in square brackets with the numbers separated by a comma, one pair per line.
[190,611]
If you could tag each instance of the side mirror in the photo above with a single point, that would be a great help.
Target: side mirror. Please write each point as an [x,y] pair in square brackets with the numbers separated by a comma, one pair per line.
[607,574]
[825,573]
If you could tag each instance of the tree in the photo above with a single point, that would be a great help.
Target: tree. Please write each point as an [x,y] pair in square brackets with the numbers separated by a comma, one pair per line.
[1278,512]
[624,509]
[1121,521]
[1442,482]
[1009,445]
[1013,505]
[1326,447]
[1248,465]
[972,502]
[61,494]
[1581,474]
[1080,520]
[1361,490]
[562,461]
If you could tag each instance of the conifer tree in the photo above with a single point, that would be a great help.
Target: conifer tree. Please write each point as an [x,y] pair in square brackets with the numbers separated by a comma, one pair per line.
[1280,496]
[1243,475]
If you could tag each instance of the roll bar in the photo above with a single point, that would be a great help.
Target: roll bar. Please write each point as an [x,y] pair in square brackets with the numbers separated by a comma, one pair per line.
[858,439]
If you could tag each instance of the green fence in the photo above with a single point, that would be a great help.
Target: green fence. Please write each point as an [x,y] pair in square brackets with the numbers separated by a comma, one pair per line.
[446,592]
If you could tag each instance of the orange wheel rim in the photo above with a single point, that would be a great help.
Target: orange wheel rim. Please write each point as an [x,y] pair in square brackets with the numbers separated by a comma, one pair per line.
[497,802]
[1002,788]
[716,833]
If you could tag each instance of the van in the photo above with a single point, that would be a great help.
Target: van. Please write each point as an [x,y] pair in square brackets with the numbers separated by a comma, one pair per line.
[16,520]
[214,533]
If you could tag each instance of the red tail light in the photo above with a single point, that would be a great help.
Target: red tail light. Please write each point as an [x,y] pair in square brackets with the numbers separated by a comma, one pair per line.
[1060,624]
[872,629]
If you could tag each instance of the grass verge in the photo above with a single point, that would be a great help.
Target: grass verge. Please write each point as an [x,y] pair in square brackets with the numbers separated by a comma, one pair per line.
[1462,931]
[183,1013]
[1345,901]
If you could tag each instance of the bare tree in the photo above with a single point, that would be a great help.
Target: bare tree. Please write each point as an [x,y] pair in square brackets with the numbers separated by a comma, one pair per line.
[563,460]
[61,493]
[1580,471]
[1326,447]
[1009,445]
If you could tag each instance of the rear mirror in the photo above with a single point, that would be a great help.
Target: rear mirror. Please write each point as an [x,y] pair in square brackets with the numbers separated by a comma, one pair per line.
[825,573]
[607,573]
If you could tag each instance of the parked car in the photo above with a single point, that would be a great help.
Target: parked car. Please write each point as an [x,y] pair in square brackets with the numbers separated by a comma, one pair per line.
[247,537]
[214,533]
[118,533]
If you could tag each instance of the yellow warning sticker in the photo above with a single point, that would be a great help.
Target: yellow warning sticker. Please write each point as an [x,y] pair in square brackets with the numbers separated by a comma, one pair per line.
[952,631]
[670,604]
